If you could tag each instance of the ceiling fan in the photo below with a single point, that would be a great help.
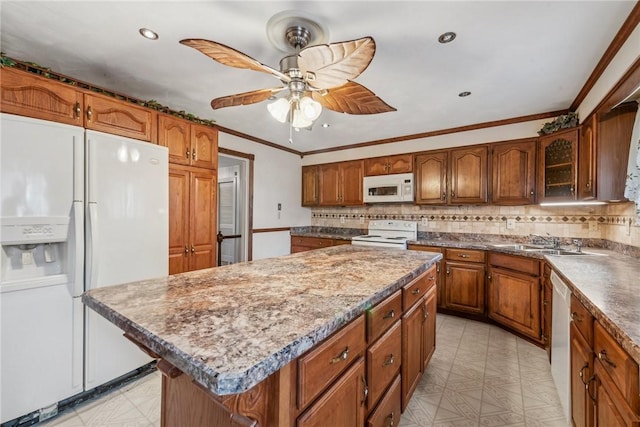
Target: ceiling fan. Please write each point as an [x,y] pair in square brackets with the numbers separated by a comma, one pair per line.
[315,77]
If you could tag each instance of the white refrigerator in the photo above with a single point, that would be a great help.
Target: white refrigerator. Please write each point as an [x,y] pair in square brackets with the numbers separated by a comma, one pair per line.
[78,210]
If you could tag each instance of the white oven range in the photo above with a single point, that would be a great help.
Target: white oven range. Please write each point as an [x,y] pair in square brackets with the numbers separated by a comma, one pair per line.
[388,234]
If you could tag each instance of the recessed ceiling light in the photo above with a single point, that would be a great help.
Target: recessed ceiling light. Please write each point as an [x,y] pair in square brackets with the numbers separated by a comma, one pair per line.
[463,94]
[148,34]
[325,125]
[447,37]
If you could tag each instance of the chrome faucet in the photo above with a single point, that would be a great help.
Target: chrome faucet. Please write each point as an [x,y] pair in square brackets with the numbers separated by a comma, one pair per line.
[551,240]
[578,244]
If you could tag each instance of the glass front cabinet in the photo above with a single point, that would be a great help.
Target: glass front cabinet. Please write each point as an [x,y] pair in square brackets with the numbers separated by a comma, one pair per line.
[557,177]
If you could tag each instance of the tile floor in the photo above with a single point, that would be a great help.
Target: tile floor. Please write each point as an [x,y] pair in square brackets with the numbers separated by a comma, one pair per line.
[479,375]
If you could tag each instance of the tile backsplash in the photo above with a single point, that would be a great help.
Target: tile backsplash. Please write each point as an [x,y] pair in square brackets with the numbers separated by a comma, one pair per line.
[612,222]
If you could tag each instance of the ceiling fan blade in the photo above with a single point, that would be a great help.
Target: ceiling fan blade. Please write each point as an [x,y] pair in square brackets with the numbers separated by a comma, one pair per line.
[331,65]
[229,56]
[352,98]
[245,98]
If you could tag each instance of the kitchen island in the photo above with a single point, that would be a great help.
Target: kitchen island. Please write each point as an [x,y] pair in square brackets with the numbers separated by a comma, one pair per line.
[228,338]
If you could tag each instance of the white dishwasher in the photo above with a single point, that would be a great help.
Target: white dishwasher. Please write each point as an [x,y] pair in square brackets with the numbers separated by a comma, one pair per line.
[560,354]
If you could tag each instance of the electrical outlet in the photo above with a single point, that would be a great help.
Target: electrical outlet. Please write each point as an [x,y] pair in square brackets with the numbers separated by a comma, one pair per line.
[593,225]
[342,219]
[424,221]
[511,224]
[361,219]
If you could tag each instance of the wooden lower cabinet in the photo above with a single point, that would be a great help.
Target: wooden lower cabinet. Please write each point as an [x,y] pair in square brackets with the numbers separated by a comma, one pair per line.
[387,413]
[581,368]
[547,309]
[342,405]
[612,410]
[192,219]
[411,351]
[439,268]
[429,327]
[302,243]
[464,287]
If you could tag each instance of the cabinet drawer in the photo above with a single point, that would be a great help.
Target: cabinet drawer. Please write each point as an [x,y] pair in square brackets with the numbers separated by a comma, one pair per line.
[415,290]
[383,363]
[618,364]
[517,263]
[468,255]
[582,319]
[388,411]
[311,242]
[318,368]
[382,316]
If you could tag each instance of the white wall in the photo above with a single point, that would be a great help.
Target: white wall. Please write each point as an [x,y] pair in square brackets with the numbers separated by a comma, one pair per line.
[277,177]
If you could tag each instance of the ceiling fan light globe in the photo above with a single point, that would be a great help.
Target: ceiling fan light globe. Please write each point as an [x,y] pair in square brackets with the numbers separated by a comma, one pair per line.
[279,109]
[299,120]
[310,109]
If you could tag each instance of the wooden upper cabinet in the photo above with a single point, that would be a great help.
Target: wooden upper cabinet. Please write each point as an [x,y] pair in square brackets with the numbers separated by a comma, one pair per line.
[106,114]
[514,173]
[468,176]
[310,185]
[204,147]
[188,143]
[175,134]
[26,94]
[557,156]
[340,184]
[402,163]
[604,150]
[431,178]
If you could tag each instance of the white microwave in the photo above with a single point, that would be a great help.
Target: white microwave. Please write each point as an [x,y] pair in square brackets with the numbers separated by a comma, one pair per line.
[388,188]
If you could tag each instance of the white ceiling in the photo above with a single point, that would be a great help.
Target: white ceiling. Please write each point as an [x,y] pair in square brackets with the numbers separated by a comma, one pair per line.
[516,57]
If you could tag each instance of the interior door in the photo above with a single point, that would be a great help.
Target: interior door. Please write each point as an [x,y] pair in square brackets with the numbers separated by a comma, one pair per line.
[228,218]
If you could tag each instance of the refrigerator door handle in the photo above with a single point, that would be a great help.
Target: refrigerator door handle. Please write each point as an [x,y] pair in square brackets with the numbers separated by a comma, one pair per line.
[77,281]
[92,246]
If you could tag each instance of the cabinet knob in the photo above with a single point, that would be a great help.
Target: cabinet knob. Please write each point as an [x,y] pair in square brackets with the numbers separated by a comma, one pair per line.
[390,360]
[89,113]
[188,153]
[416,291]
[186,250]
[453,194]
[448,271]
[193,154]
[77,111]
[532,192]
[193,250]
[588,185]
[365,391]
[444,195]
[390,315]
[390,420]
[576,317]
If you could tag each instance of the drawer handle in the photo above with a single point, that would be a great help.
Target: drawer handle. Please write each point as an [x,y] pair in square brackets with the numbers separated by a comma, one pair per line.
[431,278]
[603,356]
[463,255]
[581,373]
[390,360]
[416,291]
[576,317]
[390,315]
[365,391]
[342,356]
[389,420]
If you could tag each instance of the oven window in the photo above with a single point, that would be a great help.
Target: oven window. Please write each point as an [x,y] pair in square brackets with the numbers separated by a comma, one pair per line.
[383,191]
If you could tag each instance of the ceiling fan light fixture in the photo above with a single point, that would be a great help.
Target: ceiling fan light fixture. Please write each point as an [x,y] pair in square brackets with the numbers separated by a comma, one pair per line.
[299,120]
[279,109]
[310,109]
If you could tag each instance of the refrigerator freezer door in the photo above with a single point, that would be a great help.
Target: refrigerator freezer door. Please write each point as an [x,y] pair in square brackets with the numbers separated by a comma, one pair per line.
[41,323]
[126,238]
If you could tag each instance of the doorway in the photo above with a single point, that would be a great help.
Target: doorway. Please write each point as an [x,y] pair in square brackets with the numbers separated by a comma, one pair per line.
[234,206]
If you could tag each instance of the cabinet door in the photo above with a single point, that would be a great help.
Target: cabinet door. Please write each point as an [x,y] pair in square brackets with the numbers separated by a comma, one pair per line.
[587,160]
[342,405]
[329,184]
[429,327]
[514,173]
[468,176]
[431,178]
[25,94]
[351,183]
[464,287]
[309,185]
[204,147]
[401,164]
[376,166]
[557,178]
[547,309]
[514,301]
[611,409]
[175,134]
[179,248]
[411,352]
[581,370]
[116,117]
[203,222]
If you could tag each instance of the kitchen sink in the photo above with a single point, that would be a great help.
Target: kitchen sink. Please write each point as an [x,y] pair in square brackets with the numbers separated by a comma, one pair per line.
[521,247]
[561,252]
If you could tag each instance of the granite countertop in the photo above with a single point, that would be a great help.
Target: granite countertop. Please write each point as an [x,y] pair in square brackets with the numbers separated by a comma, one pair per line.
[230,327]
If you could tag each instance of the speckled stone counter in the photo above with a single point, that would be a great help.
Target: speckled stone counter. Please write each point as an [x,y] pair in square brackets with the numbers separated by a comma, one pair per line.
[608,286]
[230,327]
[327,232]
